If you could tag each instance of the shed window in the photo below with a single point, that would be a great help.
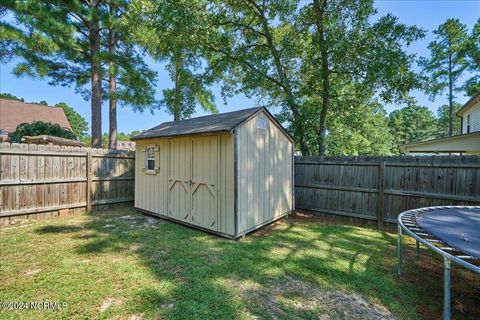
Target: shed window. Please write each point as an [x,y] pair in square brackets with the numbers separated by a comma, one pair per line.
[261,123]
[151,165]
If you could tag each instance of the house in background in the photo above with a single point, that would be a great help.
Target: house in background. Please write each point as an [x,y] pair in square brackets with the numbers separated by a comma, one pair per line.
[468,142]
[14,112]
[125,145]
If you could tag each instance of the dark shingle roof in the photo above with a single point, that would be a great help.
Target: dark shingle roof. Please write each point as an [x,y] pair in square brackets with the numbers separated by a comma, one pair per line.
[222,122]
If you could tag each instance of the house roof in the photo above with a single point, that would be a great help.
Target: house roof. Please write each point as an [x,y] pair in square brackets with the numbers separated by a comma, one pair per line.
[14,112]
[222,122]
[468,142]
[470,103]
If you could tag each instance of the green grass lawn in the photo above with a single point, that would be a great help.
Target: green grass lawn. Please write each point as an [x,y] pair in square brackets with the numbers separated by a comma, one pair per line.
[118,264]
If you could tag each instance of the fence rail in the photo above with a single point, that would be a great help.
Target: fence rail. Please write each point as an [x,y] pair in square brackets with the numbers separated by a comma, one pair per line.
[53,180]
[379,188]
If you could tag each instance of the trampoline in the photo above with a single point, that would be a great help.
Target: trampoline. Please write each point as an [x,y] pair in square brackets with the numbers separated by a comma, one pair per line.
[452,231]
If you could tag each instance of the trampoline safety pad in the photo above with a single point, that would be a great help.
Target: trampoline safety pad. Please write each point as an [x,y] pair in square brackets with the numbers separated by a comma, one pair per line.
[458,227]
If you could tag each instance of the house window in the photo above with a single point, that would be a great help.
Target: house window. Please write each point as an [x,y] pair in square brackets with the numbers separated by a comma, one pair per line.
[151,164]
[468,123]
[261,123]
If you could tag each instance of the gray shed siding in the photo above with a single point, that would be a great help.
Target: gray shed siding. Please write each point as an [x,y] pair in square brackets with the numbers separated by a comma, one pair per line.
[265,173]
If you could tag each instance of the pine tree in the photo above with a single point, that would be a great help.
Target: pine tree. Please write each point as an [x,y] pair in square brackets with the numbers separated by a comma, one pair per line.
[67,42]
[447,62]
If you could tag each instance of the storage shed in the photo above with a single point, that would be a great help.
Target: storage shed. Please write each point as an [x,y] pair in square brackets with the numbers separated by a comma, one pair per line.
[227,173]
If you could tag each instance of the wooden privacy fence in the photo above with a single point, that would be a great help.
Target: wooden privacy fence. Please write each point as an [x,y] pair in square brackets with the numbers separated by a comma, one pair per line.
[379,188]
[51,180]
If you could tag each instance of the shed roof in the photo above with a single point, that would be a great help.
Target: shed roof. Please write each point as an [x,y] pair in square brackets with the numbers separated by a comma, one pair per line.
[222,122]
[14,112]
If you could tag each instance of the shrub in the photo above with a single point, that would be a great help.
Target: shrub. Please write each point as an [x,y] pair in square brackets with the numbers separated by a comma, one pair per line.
[39,127]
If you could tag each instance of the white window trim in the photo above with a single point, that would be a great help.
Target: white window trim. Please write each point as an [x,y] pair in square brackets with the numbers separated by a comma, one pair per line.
[156,159]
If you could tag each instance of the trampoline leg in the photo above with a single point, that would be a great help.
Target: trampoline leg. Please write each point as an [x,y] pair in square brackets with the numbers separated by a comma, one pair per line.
[399,250]
[417,248]
[446,289]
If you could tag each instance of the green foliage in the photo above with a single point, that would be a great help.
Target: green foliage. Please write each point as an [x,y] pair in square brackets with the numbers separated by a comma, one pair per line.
[359,130]
[443,118]
[77,122]
[170,31]
[472,85]
[447,63]
[289,55]
[38,128]
[448,58]
[10,97]
[65,43]
[411,124]
[42,102]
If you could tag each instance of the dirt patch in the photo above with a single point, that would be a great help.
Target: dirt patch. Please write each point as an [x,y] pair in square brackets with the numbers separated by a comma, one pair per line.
[134,247]
[140,221]
[108,302]
[289,295]
[31,272]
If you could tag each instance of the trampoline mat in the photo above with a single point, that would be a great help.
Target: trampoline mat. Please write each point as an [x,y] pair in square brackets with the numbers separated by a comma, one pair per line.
[459,228]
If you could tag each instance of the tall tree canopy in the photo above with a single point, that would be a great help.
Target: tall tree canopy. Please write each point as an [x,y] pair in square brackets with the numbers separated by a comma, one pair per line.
[66,42]
[411,124]
[447,62]
[302,57]
[172,32]
[472,85]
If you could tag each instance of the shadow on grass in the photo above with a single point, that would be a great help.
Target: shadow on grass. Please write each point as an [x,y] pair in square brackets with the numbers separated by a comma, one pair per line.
[57,229]
[210,273]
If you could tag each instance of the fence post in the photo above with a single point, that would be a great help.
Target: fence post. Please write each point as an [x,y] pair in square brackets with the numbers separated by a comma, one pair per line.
[381,192]
[89,181]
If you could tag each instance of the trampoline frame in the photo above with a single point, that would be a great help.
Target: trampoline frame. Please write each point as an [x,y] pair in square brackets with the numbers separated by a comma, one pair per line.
[407,222]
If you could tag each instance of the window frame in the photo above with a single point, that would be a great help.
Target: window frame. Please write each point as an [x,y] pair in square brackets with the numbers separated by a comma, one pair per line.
[149,149]
[261,123]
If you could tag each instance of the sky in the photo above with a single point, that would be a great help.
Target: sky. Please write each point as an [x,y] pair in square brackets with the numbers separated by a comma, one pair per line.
[427,14]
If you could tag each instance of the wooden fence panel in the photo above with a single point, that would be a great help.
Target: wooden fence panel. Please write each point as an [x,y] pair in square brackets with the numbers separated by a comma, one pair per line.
[40,178]
[379,188]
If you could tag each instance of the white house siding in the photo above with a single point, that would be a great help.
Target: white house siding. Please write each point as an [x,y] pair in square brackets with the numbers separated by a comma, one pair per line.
[474,113]
[265,173]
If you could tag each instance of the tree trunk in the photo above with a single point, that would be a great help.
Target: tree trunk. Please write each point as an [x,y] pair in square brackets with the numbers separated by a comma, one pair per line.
[297,124]
[178,97]
[319,10]
[96,70]
[450,96]
[112,88]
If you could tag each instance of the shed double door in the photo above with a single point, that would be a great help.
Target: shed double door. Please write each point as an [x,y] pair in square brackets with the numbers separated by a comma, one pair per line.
[192,184]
